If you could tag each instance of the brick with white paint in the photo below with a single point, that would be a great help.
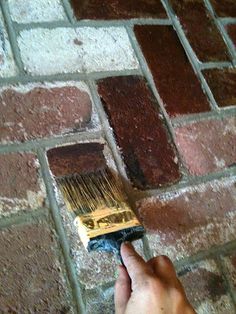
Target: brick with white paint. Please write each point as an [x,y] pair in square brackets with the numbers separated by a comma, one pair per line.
[85,49]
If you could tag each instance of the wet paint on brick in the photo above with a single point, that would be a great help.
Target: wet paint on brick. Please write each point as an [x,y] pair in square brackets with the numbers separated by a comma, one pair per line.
[231,29]
[31,280]
[140,132]
[224,8]
[122,9]
[201,31]
[21,188]
[186,221]
[207,146]
[173,75]
[206,289]
[222,83]
[43,110]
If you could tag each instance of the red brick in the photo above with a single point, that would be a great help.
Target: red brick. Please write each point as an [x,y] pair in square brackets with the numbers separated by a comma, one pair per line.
[222,83]
[196,21]
[224,8]
[31,277]
[122,9]
[206,289]
[174,77]
[231,29]
[147,151]
[20,184]
[207,146]
[39,111]
[189,220]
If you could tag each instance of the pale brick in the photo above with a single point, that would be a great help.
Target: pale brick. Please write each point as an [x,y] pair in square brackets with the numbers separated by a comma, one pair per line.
[84,49]
[33,11]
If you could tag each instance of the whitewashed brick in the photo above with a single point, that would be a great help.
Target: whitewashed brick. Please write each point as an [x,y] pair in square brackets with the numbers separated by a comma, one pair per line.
[86,49]
[32,11]
[7,64]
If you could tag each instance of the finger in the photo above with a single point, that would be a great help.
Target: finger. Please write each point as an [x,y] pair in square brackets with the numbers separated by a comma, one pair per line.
[163,268]
[122,291]
[135,265]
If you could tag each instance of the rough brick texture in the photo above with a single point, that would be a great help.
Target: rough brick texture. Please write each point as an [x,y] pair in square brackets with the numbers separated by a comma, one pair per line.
[85,49]
[196,21]
[207,146]
[206,289]
[222,83]
[43,110]
[7,64]
[20,185]
[224,8]
[174,77]
[31,277]
[33,11]
[230,264]
[231,29]
[124,9]
[184,222]
[148,154]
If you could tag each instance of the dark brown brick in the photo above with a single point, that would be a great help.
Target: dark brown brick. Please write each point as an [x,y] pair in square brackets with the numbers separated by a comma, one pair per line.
[140,133]
[122,9]
[201,30]
[224,8]
[205,288]
[174,77]
[36,112]
[31,277]
[79,158]
[231,29]
[222,83]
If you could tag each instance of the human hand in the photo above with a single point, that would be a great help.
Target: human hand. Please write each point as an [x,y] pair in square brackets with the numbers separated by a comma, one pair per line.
[148,287]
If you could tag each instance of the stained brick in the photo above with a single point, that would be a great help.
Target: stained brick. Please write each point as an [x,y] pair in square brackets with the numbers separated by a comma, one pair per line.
[224,8]
[86,49]
[31,277]
[20,185]
[222,83]
[7,64]
[174,77]
[186,221]
[206,289]
[196,21]
[42,110]
[33,11]
[124,9]
[231,29]
[230,264]
[147,151]
[207,146]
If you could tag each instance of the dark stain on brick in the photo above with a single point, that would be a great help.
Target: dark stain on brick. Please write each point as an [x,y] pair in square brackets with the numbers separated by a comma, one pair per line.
[113,9]
[140,132]
[196,21]
[79,158]
[224,8]
[231,29]
[174,77]
[31,277]
[222,83]
[233,261]
[42,112]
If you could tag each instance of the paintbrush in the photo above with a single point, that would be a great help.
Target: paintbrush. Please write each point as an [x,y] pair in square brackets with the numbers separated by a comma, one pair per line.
[103,216]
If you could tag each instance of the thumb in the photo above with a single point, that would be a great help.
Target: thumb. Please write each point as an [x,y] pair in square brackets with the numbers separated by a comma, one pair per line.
[122,291]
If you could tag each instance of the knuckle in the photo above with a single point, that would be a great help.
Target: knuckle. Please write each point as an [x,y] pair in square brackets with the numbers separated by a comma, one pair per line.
[177,294]
[165,260]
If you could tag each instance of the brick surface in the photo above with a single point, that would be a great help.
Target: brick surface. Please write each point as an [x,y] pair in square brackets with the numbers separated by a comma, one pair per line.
[100,301]
[185,221]
[230,264]
[231,29]
[196,21]
[36,11]
[207,146]
[21,188]
[224,8]
[43,110]
[206,289]
[148,154]
[86,49]
[124,9]
[7,64]
[31,277]
[173,75]
[222,83]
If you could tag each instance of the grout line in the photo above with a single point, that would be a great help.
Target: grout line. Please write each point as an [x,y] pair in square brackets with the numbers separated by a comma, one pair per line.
[12,36]
[76,289]
[227,20]
[68,10]
[213,65]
